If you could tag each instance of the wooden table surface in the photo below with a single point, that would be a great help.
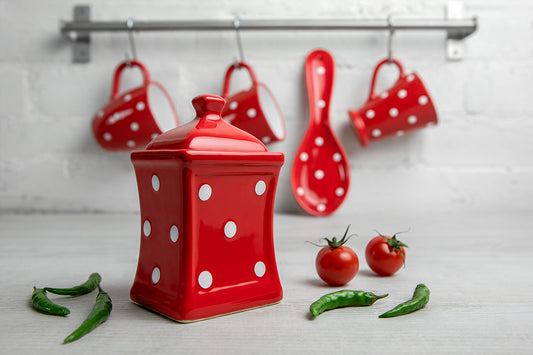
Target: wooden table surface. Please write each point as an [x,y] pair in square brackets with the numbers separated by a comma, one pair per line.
[478,268]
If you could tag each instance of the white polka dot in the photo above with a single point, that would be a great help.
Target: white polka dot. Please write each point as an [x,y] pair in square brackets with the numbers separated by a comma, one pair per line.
[320,70]
[370,114]
[107,136]
[339,191]
[410,77]
[127,97]
[260,187]
[384,94]
[251,113]
[205,192]
[260,269]
[321,103]
[337,157]
[230,229]
[400,133]
[319,174]
[402,94]
[174,233]
[266,139]
[155,183]
[233,105]
[130,143]
[300,191]
[156,275]
[154,135]
[422,100]
[393,112]
[100,113]
[205,279]
[304,156]
[116,116]
[321,207]
[319,141]
[412,119]
[376,133]
[147,228]
[134,126]
[140,106]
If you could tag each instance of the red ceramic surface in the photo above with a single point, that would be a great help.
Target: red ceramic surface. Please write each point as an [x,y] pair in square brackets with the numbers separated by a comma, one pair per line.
[320,174]
[206,192]
[133,118]
[404,107]
[254,110]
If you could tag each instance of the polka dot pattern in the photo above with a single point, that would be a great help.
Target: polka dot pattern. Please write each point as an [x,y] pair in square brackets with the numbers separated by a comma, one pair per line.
[156,275]
[260,188]
[260,269]
[230,229]
[147,228]
[319,141]
[251,113]
[205,192]
[174,234]
[205,279]
[155,183]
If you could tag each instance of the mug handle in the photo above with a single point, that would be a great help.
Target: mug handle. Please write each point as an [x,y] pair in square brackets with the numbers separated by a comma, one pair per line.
[373,95]
[225,90]
[120,68]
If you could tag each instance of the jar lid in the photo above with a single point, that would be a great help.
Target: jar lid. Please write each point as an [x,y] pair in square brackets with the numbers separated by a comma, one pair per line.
[207,132]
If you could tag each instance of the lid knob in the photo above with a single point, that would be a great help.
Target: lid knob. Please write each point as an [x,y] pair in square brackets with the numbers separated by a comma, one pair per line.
[208,106]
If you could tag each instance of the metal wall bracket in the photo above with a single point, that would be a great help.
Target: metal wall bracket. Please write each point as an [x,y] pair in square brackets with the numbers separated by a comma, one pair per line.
[81,52]
[454,44]
[455,25]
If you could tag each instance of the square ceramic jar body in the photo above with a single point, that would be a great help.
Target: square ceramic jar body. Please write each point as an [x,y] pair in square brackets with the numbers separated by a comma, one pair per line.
[206,232]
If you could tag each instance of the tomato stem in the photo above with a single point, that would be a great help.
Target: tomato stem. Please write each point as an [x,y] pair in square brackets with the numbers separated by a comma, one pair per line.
[395,244]
[333,242]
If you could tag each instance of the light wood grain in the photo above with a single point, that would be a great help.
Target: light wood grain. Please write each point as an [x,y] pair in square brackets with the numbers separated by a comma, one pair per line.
[477,267]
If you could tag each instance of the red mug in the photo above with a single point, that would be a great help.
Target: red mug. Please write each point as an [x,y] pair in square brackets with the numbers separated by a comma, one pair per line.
[133,118]
[254,110]
[404,107]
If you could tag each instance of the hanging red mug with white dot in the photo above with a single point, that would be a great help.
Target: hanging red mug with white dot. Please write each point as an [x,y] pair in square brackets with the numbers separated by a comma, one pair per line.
[254,110]
[133,118]
[403,107]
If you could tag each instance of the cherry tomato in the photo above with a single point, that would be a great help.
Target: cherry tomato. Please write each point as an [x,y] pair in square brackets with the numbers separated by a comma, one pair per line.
[385,255]
[336,263]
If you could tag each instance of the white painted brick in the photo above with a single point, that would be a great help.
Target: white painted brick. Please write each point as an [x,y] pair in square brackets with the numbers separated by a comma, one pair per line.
[13,97]
[501,89]
[479,144]
[477,158]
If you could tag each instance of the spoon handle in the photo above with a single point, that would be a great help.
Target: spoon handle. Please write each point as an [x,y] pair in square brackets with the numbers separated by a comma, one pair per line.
[319,75]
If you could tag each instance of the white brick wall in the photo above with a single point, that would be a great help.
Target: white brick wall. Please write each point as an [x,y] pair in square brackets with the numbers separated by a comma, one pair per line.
[479,158]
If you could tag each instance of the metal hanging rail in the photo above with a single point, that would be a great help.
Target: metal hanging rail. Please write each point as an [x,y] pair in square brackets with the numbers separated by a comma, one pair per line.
[80,29]
[457,29]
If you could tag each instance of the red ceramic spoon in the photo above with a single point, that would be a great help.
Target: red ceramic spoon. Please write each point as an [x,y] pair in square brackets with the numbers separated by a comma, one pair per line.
[320,174]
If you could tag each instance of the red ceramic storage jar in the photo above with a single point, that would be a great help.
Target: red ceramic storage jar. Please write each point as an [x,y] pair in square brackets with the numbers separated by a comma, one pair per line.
[206,192]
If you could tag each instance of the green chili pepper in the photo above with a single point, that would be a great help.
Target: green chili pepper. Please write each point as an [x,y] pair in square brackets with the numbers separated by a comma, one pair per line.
[86,287]
[344,298]
[42,303]
[99,314]
[419,300]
